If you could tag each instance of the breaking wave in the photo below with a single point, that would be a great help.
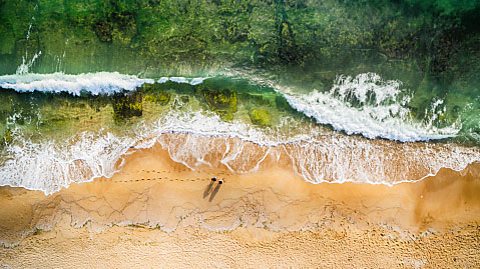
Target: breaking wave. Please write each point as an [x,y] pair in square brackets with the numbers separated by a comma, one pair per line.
[90,83]
[370,106]
[364,104]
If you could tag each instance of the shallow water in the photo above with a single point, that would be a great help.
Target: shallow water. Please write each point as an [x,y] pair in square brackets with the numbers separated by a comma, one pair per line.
[61,128]
[345,99]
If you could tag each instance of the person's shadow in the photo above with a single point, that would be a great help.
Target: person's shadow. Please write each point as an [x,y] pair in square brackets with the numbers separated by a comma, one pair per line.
[209,188]
[215,191]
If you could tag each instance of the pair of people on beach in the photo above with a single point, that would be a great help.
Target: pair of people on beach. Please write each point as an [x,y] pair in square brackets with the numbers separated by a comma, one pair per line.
[210,190]
[220,181]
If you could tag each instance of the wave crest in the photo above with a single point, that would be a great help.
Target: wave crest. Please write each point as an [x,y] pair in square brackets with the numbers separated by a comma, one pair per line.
[92,83]
[370,106]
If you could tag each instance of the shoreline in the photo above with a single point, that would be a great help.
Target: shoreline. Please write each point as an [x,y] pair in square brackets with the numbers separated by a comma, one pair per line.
[155,196]
[331,158]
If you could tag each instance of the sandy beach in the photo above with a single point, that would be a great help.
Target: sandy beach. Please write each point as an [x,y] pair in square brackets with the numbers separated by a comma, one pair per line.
[239,134]
[158,213]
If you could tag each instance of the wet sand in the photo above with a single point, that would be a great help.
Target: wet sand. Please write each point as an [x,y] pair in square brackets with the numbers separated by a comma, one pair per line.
[158,213]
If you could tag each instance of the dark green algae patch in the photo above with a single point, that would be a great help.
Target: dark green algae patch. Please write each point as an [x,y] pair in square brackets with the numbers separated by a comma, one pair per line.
[61,115]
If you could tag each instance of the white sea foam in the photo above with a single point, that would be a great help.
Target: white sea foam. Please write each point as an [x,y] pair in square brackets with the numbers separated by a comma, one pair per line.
[202,141]
[49,166]
[370,106]
[191,81]
[93,83]
[25,66]
[330,157]
[339,159]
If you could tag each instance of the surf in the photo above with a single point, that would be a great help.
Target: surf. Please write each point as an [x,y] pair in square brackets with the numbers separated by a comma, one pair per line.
[360,130]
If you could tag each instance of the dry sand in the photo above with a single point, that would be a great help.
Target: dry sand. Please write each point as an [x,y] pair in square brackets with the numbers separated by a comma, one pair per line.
[154,213]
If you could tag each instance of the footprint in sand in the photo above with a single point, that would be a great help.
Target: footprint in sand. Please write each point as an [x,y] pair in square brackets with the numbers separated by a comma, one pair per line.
[162,178]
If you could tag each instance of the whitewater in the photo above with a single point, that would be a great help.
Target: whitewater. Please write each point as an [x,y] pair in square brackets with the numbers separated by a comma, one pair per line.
[379,110]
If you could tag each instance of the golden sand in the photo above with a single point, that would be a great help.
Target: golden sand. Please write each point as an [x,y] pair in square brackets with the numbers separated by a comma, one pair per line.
[157,213]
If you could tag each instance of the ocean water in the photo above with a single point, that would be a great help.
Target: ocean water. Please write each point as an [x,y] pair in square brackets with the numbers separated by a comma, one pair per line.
[343,100]
[63,128]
